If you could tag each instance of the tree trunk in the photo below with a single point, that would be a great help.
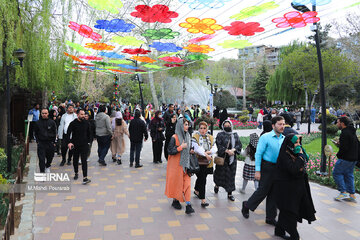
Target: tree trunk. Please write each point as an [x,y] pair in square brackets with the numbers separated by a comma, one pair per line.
[44,98]
[163,92]
[3,120]
[153,91]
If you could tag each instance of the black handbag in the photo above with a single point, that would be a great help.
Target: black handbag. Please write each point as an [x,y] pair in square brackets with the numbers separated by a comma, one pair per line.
[194,164]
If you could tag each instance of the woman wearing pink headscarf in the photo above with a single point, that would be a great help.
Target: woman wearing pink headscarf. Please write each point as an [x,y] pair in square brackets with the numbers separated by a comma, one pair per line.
[119,128]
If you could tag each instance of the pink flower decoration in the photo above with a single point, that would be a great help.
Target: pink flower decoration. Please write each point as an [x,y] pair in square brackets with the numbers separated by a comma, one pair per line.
[172,59]
[156,13]
[296,20]
[246,29]
[91,57]
[85,31]
[136,51]
[203,38]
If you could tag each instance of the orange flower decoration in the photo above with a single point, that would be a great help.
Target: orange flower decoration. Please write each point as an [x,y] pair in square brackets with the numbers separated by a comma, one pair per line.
[199,48]
[74,57]
[143,59]
[206,26]
[99,46]
[119,71]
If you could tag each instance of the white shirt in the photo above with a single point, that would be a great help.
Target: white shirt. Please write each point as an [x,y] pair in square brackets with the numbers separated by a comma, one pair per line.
[247,158]
[68,119]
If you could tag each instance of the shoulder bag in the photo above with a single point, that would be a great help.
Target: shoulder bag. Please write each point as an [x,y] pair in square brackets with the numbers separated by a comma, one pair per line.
[221,160]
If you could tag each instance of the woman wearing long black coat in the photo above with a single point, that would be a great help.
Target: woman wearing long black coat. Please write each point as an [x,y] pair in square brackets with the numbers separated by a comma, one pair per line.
[157,128]
[228,145]
[169,132]
[292,190]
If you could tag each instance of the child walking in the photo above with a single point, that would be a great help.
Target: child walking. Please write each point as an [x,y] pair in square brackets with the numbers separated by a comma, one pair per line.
[249,167]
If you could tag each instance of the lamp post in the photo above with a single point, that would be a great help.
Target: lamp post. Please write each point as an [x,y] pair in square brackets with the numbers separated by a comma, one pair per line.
[19,54]
[213,89]
[137,78]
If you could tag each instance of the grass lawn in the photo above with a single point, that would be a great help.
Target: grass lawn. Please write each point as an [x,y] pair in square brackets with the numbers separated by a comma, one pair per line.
[315,146]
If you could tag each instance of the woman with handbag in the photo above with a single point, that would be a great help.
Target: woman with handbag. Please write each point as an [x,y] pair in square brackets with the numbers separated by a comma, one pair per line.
[157,128]
[228,145]
[178,181]
[204,148]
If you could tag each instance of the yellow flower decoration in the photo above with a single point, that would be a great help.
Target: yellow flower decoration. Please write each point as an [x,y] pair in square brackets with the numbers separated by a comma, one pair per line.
[206,25]
[199,48]
[127,41]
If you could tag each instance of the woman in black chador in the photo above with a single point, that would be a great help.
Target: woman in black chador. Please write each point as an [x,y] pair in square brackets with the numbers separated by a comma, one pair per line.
[292,190]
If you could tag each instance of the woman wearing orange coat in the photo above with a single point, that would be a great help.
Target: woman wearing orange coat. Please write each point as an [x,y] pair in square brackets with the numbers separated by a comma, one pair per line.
[178,182]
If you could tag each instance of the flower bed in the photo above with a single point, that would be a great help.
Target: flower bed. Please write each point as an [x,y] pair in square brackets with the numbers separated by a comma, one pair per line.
[237,125]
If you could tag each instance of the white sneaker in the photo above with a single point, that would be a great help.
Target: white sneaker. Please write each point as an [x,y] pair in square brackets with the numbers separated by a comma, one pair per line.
[47,170]
[88,160]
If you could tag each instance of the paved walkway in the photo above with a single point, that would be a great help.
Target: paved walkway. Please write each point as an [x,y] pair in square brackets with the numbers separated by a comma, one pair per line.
[128,203]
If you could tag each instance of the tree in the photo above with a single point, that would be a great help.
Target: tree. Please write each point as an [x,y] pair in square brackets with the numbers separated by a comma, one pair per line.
[323,36]
[258,88]
[224,99]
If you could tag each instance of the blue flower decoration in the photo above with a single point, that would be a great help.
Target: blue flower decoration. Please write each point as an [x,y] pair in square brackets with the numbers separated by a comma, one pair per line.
[127,66]
[115,25]
[313,2]
[169,47]
[201,4]
[111,55]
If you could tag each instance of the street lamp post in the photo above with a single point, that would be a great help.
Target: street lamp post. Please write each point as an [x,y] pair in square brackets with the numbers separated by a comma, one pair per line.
[213,89]
[137,77]
[19,54]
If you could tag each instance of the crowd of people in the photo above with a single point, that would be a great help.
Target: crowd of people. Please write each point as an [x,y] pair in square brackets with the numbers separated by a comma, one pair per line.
[276,160]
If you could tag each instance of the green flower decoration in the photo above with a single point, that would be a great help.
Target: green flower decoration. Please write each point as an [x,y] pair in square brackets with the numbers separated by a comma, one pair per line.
[121,61]
[168,54]
[108,5]
[255,10]
[163,33]
[78,47]
[101,63]
[235,44]
[196,57]
[152,66]
[127,41]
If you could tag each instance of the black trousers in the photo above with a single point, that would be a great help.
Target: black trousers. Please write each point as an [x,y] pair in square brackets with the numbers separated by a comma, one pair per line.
[31,130]
[167,140]
[64,148]
[265,190]
[135,148]
[287,222]
[157,150]
[45,151]
[81,151]
[200,183]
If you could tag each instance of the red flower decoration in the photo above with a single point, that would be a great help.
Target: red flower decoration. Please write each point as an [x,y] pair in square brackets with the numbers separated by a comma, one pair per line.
[85,31]
[156,13]
[136,51]
[296,20]
[173,65]
[85,64]
[203,38]
[172,59]
[246,29]
[117,70]
[91,57]
[139,70]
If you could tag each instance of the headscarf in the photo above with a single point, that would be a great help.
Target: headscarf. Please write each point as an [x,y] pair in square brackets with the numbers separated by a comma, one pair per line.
[231,158]
[156,119]
[183,137]
[254,139]
[288,144]
[117,116]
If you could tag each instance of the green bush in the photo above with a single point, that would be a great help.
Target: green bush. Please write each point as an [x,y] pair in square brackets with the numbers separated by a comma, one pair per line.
[243,119]
[244,113]
[331,128]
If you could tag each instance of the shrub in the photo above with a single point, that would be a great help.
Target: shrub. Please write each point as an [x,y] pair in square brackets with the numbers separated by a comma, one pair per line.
[331,128]
[244,113]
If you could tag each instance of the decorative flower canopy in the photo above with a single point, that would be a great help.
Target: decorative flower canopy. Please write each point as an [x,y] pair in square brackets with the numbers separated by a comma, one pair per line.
[127,66]
[196,57]
[121,61]
[201,39]
[108,5]
[162,47]
[136,51]
[78,47]
[111,55]
[85,31]
[255,10]
[156,13]
[201,4]
[139,70]
[74,57]
[296,20]
[85,64]
[173,65]
[115,25]
[206,25]
[91,57]
[119,71]
[246,29]
[162,33]
[168,54]
[143,59]
[235,44]
[127,41]
[99,46]
[101,63]
[172,59]
[152,66]
[199,48]
[312,2]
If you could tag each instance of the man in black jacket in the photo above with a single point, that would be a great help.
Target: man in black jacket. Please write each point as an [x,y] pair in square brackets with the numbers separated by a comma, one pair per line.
[92,131]
[138,131]
[79,135]
[343,172]
[167,114]
[45,133]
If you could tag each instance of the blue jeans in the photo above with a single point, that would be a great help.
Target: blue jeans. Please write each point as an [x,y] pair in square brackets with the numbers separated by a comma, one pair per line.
[343,175]
[135,148]
[103,146]
[260,125]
